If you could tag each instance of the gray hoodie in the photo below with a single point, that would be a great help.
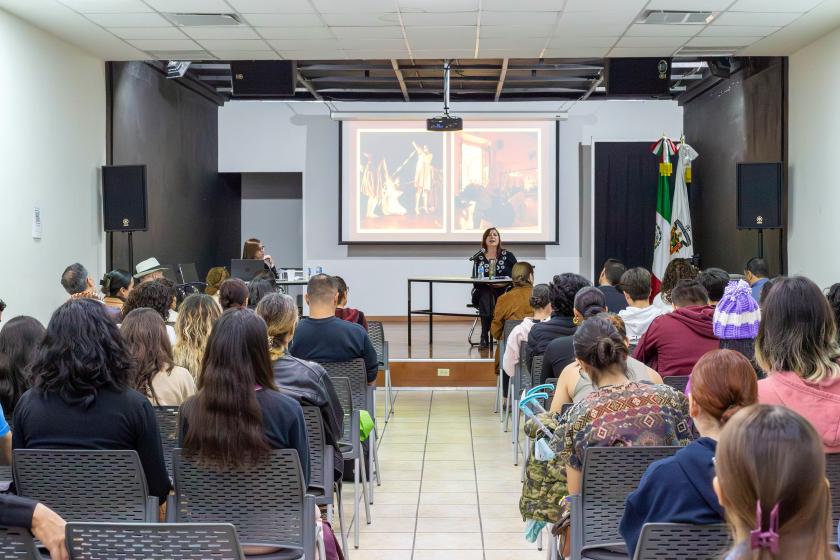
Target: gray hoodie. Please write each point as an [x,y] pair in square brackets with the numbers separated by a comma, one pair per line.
[637,320]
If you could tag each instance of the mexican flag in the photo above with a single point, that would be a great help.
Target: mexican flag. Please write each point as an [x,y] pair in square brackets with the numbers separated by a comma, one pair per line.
[663,149]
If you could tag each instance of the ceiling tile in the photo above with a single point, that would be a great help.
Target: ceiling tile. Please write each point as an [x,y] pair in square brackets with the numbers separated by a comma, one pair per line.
[367,54]
[517,52]
[576,52]
[413,19]
[627,6]
[106,6]
[641,51]
[597,18]
[692,5]
[442,53]
[737,30]
[222,32]
[672,42]
[652,30]
[361,20]
[565,42]
[453,38]
[129,20]
[382,45]
[271,6]
[432,6]
[190,6]
[181,54]
[355,6]
[148,33]
[391,32]
[800,6]
[723,41]
[322,32]
[282,20]
[517,18]
[525,5]
[587,30]
[529,43]
[304,44]
[776,19]
[246,55]
[234,44]
[314,55]
[165,44]
[517,31]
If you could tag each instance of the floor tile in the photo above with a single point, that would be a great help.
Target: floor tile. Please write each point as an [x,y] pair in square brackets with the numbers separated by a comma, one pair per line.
[447,555]
[447,541]
[448,524]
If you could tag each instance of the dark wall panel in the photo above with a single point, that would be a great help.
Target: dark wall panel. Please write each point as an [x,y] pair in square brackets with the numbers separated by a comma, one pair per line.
[194,213]
[742,119]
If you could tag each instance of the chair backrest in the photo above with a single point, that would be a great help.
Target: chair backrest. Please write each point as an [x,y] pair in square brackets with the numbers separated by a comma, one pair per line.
[536,370]
[84,484]
[264,501]
[510,324]
[376,333]
[832,473]
[355,371]
[317,446]
[153,541]
[682,541]
[678,382]
[609,475]
[167,419]
[523,380]
[16,543]
[345,399]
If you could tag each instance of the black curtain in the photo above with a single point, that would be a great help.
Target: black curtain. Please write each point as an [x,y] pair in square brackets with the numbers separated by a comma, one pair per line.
[626,176]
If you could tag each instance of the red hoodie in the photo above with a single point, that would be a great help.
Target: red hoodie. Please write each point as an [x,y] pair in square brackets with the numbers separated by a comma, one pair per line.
[674,342]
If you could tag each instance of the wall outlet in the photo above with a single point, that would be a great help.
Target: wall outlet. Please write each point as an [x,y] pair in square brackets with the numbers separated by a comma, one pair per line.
[443,372]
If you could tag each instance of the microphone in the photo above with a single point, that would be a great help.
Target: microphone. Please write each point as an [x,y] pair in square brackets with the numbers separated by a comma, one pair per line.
[477,254]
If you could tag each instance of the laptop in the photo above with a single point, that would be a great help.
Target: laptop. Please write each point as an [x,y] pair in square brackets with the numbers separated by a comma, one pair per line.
[188,273]
[246,269]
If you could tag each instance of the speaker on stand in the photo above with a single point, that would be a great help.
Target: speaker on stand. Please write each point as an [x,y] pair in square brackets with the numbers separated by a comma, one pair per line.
[759,199]
[124,205]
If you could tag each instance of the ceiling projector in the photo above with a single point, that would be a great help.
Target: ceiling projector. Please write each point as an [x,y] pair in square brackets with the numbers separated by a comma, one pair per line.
[444,123]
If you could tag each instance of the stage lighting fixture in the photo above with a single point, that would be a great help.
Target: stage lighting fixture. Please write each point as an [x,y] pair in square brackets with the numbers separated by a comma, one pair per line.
[177,68]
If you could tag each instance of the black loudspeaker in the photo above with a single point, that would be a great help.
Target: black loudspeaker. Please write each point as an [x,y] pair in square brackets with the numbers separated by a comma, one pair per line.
[124,197]
[634,77]
[759,195]
[263,78]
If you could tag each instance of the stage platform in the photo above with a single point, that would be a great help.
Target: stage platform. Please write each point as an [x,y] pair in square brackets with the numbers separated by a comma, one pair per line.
[420,364]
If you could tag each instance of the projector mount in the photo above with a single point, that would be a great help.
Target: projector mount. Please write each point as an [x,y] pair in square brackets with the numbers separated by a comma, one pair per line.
[445,123]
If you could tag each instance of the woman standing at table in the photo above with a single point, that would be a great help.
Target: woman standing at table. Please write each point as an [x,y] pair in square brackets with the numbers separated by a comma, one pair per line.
[492,257]
[254,249]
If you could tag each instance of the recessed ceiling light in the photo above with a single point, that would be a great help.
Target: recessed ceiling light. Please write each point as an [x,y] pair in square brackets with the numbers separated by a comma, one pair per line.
[202,20]
[675,17]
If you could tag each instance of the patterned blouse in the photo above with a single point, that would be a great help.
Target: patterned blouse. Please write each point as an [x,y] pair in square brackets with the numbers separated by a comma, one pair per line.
[638,413]
[504,264]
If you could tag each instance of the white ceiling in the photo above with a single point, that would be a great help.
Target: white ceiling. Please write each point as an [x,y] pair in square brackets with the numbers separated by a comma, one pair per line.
[416,29]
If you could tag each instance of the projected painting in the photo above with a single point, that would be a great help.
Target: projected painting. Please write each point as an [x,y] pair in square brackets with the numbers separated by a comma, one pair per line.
[401,183]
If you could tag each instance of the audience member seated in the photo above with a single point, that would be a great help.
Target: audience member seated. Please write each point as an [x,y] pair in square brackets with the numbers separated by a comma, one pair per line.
[771,483]
[540,302]
[592,422]
[324,338]
[214,279]
[238,415]
[155,374]
[560,352]
[715,281]
[757,274]
[639,313]
[833,296]
[797,347]
[233,293]
[46,525]
[172,314]
[77,282]
[608,281]
[199,312]
[306,382]
[154,295]
[148,270]
[515,304]
[258,288]
[679,489]
[677,269]
[674,342]
[573,384]
[20,338]
[736,321]
[82,397]
[116,285]
[344,312]
[563,288]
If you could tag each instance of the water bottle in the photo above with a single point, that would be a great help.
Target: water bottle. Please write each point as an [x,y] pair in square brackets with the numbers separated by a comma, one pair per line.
[491,269]
[481,270]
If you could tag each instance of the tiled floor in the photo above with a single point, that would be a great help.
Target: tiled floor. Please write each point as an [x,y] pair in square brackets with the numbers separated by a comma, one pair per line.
[449,488]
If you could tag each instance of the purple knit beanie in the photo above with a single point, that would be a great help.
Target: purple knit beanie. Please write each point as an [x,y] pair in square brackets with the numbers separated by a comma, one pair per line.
[737,314]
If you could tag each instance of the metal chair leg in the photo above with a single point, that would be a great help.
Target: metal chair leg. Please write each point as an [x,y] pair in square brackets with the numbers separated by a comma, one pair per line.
[342,526]
[364,489]
[498,403]
[539,540]
[356,496]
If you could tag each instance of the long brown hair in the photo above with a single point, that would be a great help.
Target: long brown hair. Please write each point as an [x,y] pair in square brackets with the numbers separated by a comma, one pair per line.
[722,383]
[145,336]
[769,455]
[250,248]
[225,421]
[484,239]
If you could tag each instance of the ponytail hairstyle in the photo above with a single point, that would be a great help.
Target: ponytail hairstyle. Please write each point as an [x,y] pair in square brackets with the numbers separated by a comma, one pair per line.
[540,296]
[618,323]
[115,281]
[770,459]
[598,347]
[722,383]
[590,302]
[280,313]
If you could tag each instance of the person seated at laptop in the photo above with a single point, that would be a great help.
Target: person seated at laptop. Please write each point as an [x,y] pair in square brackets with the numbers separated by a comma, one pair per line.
[343,312]
[324,338]
[254,249]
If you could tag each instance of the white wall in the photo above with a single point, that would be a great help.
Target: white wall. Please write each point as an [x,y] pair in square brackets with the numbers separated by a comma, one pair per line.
[814,140]
[52,142]
[276,136]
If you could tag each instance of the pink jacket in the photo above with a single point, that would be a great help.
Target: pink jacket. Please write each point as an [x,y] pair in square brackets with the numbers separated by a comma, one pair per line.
[819,403]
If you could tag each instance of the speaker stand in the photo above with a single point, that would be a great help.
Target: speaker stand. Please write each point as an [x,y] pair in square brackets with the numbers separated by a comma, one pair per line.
[760,243]
[131,252]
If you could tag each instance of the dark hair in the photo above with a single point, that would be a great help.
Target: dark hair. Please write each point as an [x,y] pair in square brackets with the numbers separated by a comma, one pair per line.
[145,337]
[564,287]
[233,293]
[74,279]
[765,289]
[677,269]
[689,292]
[19,341]
[225,421]
[636,283]
[598,344]
[250,248]
[340,286]
[715,281]
[590,301]
[82,353]
[258,289]
[540,296]
[833,297]
[617,322]
[115,281]
[484,239]
[154,295]
[758,267]
[613,269]
[321,288]
[722,383]
[2,306]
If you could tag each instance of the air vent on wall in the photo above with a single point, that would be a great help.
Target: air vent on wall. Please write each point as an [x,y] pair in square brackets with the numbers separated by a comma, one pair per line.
[672,17]
[201,20]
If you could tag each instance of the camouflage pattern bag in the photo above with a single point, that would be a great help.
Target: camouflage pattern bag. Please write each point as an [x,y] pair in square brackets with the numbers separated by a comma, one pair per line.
[545,481]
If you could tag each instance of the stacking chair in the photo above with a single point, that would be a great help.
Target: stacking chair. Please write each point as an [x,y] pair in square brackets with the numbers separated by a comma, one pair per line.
[167,419]
[510,324]
[609,475]
[682,541]
[17,543]
[322,483]
[266,502]
[520,381]
[86,485]
[525,382]
[153,541]
[351,449]
[832,473]
[678,382]
[376,332]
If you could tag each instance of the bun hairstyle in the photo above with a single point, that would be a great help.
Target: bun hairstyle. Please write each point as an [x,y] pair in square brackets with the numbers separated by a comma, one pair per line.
[564,287]
[590,302]
[598,344]
[540,296]
[114,281]
[722,383]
